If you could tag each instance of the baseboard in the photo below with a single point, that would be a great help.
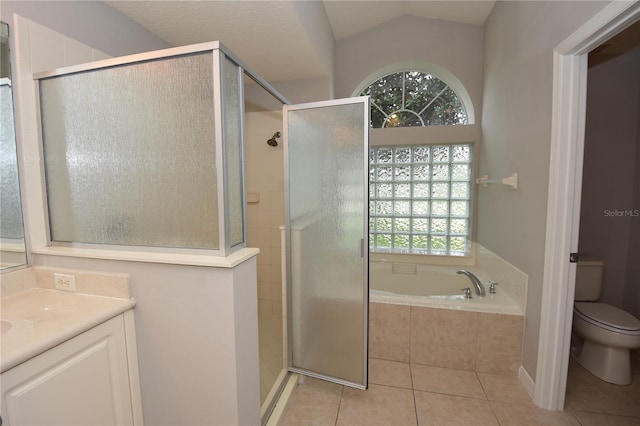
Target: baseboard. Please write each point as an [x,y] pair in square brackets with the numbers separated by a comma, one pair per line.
[527,382]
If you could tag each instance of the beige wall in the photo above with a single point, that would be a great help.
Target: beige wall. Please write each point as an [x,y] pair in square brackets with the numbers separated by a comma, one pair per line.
[610,176]
[519,40]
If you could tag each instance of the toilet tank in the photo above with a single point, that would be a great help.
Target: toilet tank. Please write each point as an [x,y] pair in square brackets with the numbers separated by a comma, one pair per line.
[589,279]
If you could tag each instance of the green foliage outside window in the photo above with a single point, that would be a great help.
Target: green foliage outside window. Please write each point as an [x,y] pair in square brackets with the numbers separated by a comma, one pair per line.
[412,98]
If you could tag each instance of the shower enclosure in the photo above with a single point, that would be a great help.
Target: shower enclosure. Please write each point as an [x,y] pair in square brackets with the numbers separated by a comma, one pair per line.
[148,153]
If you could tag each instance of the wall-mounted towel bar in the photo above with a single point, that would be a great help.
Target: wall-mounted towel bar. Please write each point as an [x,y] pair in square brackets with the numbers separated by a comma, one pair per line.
[511,181]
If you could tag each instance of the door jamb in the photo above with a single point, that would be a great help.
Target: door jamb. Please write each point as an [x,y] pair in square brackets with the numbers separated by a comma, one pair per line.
[563,204]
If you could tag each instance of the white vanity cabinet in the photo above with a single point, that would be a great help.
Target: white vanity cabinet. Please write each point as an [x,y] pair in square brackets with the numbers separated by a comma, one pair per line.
[90,379]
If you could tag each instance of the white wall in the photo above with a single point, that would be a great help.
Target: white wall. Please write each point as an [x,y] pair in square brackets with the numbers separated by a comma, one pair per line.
[197,338]
[610,174]
[519,40]
[313,17]
[456,47]
[92,22]
[301,91]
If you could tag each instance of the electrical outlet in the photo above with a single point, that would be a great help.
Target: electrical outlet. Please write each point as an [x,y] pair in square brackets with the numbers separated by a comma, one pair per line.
[65,282]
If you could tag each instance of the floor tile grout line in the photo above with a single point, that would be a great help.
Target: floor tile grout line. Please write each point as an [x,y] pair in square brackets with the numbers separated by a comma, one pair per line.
[410,336]
[451,394]
[339,405]
[482,386]
[575,417]
[390,386]
[493,410]
[413,389]
[574,411]
[415,407]
[413,386]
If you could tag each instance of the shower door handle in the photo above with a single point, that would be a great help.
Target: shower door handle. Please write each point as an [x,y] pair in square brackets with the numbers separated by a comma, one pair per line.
[361,247]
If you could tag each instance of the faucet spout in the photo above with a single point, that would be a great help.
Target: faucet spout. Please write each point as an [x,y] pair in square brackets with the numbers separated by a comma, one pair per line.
[477,284]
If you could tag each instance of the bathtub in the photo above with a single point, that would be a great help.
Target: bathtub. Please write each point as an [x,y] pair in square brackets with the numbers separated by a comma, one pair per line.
[435,286]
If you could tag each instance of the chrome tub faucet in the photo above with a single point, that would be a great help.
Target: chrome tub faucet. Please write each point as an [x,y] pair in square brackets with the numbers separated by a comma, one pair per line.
[474,280]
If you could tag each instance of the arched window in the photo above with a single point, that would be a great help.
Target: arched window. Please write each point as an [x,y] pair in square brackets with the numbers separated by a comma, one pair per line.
[420,193]
[413,98]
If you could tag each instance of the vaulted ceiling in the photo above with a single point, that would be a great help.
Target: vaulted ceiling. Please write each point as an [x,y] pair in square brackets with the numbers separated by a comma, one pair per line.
[280,39]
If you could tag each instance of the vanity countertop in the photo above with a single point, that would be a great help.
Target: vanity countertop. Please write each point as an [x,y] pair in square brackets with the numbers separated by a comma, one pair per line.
[38,319]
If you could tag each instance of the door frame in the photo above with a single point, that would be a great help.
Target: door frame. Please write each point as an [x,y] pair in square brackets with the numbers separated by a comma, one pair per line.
[564,196]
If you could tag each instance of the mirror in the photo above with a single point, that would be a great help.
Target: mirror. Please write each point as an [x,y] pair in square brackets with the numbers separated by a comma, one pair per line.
[12,244]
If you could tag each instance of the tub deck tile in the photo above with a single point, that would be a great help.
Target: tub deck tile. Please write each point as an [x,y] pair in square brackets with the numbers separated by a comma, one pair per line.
[444,338]
[389,327]
[499,343]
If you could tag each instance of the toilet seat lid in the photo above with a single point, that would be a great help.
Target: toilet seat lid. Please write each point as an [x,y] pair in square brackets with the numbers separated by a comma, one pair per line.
[608,315]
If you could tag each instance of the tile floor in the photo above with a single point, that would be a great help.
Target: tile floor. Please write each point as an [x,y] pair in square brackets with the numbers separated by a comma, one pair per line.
[412,394]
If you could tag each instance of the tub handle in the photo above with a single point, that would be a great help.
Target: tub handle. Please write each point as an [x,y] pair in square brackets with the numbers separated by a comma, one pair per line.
[492,287]
[467,292]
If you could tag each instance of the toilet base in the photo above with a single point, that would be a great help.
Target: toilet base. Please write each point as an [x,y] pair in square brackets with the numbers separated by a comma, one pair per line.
[612,365]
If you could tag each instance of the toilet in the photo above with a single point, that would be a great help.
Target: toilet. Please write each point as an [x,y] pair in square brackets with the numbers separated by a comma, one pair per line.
[603,335]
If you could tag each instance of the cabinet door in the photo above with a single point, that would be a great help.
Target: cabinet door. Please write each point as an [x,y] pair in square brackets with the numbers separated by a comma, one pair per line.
[84,381]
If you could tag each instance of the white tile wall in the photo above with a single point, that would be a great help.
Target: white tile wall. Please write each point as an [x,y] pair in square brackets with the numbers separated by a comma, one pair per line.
[265,176]
[37,49]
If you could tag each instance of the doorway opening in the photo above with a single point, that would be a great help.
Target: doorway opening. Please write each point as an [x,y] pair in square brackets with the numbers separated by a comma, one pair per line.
[307,213]
[563,211]
[609,228]
[264,177]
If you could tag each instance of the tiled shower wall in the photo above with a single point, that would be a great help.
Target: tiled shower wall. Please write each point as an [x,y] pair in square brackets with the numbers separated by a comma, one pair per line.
[264,172]
[475,341]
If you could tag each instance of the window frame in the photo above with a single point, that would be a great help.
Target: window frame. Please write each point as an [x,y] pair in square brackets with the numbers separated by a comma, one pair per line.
[431,135]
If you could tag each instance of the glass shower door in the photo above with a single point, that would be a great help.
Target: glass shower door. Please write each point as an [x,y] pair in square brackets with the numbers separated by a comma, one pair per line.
[326,161]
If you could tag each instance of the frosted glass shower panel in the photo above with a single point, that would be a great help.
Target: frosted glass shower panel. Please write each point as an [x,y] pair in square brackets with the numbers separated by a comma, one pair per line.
[326,149]
[232,119]
[129,154]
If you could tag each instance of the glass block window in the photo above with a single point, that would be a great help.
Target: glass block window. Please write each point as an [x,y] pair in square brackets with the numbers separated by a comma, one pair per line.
[420,199]
[413,98]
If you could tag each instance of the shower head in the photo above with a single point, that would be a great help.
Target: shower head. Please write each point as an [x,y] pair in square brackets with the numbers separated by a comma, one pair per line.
[273,141]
